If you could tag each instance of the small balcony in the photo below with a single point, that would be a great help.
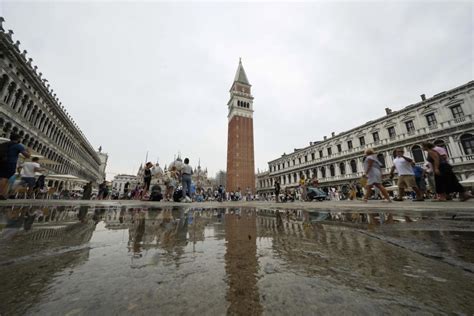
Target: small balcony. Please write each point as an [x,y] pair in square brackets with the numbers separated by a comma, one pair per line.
[460,119]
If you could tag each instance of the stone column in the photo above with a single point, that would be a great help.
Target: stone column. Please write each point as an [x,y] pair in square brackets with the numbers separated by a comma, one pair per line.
[455,147]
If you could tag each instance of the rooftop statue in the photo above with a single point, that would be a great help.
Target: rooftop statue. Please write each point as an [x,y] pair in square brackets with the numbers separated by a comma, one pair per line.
[29,61]
[10,35]
[17,45]
[24,54]
[1,24]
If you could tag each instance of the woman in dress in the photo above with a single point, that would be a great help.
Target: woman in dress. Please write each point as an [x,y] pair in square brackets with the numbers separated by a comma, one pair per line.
[446,181]
[373,174]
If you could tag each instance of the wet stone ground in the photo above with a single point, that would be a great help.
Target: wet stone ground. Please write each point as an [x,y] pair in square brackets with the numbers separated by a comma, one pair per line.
[66,260]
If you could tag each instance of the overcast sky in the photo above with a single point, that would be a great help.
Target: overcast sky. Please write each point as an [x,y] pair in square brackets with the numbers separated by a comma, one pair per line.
[155,76]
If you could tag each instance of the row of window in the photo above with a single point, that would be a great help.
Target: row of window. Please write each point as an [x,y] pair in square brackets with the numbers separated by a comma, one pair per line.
[410,127]
[20,102]
[467,144]
[243,104]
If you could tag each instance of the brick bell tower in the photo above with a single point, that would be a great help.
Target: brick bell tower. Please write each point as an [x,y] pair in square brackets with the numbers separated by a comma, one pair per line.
[240,157]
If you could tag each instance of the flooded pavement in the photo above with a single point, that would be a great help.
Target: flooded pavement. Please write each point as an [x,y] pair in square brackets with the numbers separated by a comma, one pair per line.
[113,260]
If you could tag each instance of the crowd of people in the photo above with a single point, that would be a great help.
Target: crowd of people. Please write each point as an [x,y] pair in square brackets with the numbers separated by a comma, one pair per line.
[437,172]
[435,179]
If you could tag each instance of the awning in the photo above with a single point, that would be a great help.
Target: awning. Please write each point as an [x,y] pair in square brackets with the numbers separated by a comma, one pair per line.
[468,182]
[62,176]
[42,159]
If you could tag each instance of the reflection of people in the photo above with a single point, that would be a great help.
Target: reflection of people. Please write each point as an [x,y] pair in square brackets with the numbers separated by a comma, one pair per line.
[11,150]
[82,213]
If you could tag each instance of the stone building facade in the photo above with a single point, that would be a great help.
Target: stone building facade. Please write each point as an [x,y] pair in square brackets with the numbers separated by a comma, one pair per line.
[445,119]
[31,109]
[119,181]
[240,153]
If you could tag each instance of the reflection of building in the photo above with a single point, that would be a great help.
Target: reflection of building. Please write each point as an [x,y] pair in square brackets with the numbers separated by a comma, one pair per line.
[445,119]
[240,155]
[119,181]
[241,264]
[31,109]
[55,243]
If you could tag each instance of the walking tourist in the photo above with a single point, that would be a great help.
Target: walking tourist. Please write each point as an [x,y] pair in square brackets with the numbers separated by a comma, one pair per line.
[249,194]
[303,188]
[171,183]
[126,188]
[186,173]
[373,174]
[103,191]
[87,191]
[429,172]
[28,170]
[314,181]
[146,178]
[277,191]
[420,179]
[221,193]
[9,153]
[406,176]
[446,181]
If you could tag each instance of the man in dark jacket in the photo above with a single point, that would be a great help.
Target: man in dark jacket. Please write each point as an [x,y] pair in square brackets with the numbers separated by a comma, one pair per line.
[8,162]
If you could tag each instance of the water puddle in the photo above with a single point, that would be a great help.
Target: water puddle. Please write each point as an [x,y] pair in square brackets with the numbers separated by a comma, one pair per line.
[118,260]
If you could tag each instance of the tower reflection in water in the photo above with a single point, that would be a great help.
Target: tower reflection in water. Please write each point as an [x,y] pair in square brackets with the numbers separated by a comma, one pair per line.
[241,263]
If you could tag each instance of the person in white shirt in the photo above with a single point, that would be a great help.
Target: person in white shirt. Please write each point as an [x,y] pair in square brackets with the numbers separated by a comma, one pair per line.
[406,176]
[28,172]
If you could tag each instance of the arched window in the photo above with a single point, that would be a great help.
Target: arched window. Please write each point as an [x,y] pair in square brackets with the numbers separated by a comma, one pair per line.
[381,159]
[10,92]
[467,142]
[238,102]
[332,171]
[353,166]
[417,154]
[3,82]
[342,168]
[295,177]
[16,98]
[323,172]
[440,143]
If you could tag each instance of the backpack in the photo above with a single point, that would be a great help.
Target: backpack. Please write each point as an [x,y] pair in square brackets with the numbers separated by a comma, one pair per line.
[4,152]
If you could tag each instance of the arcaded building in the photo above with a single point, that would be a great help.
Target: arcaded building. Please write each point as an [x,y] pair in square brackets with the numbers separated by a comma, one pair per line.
[445,119]
[240,153]
[30,108]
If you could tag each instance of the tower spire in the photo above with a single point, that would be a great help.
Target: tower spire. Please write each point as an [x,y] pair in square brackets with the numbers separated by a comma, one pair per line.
[240,75]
